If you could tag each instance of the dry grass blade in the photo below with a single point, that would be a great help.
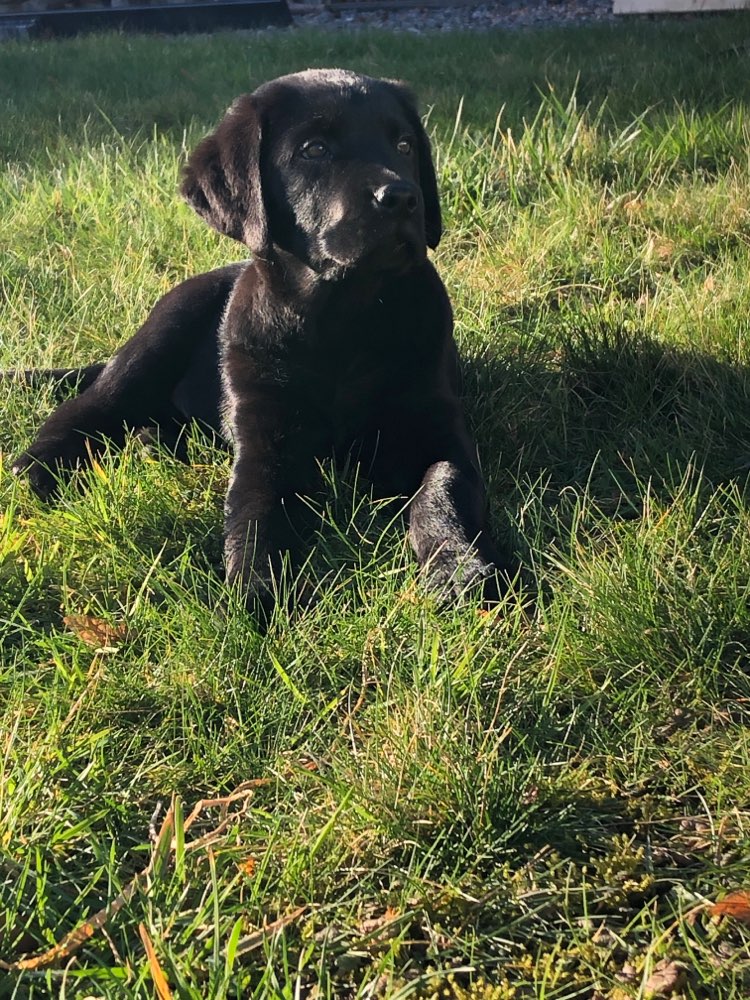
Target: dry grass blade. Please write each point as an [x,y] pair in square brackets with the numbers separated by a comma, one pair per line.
[160,980]
[252,941]
[243,791]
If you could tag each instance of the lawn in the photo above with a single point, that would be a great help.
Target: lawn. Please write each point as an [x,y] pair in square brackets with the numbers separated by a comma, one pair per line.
[550,800]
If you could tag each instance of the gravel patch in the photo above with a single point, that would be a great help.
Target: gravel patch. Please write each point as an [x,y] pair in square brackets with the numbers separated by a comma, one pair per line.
[508,14]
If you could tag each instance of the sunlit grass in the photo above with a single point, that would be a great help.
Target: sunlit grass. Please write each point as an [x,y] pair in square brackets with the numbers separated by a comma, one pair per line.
[539,802]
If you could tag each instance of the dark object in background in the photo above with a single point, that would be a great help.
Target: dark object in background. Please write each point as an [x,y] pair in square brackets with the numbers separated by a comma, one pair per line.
[58,19]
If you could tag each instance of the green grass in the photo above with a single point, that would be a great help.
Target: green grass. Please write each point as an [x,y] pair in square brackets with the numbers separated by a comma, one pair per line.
[524,804]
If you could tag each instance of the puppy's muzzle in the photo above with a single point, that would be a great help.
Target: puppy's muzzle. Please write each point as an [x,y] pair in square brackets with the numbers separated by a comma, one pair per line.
[398,200]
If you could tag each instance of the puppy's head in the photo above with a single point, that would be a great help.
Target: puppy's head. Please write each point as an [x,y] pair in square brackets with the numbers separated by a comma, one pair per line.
[332,167]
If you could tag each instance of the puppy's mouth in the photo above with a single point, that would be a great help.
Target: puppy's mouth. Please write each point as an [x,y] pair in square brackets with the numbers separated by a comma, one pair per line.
[405,253]
[394,252]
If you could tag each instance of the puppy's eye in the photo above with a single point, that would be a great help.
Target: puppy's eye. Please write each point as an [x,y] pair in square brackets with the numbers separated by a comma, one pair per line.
[315,150]
[405,145]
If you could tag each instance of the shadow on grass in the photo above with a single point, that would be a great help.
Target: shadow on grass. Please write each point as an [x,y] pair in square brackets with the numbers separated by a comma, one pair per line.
[97,87]
[607,409]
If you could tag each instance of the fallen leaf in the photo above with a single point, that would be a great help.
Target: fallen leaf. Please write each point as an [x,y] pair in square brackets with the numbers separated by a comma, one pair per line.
[96,632]
[736,905]
[376,932]
[627,974]
[373,924]
[248,866]
[666,979]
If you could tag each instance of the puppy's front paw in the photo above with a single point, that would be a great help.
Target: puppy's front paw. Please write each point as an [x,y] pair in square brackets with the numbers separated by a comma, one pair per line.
[50,458]
[452,577]
[41,470]
[254,588]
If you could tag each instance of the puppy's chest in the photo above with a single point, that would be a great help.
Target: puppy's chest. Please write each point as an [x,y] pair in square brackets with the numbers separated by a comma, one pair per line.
[348,390]
[359,365]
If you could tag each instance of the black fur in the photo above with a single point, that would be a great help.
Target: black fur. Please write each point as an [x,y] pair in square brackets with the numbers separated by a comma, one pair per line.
[336,339]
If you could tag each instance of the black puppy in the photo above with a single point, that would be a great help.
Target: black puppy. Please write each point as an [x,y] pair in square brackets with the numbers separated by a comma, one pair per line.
[335,340]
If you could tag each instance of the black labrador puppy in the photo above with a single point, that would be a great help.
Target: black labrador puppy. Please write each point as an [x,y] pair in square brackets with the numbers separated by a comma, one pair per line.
[336,339]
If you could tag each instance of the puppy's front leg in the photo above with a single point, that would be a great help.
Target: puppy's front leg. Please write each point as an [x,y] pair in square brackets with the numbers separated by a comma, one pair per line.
[256,524]
[250,550]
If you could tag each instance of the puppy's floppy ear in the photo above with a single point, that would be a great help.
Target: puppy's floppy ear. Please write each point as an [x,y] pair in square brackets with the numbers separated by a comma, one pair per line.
[433,223]
[222,178]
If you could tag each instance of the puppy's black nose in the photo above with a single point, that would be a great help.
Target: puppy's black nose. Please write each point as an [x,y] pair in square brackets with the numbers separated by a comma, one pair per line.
[398,198]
